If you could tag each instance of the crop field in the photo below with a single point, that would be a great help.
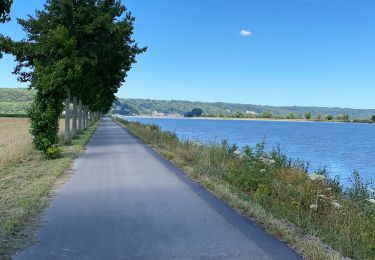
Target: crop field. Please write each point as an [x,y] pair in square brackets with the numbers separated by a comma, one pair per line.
[15,140]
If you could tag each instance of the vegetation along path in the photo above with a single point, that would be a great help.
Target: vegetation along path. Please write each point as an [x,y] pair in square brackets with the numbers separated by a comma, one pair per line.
[124,201]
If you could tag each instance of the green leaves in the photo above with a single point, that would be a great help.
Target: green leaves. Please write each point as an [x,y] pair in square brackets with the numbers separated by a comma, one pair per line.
[83,48]
[5,10]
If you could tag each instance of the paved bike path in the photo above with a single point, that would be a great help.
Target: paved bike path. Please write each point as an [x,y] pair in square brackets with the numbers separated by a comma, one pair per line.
[123,201]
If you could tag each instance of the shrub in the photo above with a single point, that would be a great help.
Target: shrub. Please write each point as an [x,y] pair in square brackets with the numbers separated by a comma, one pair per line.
[53,152]
[267,114]
[308,115]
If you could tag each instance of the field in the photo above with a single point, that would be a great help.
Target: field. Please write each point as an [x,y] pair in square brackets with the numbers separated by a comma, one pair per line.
[27,179]
[277,193]
[15,140]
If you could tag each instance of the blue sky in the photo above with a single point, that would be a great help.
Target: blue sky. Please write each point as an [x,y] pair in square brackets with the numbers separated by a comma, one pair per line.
[299,52]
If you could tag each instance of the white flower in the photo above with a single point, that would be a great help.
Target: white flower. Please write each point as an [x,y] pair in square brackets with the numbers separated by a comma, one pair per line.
[272,161]
[322,196]
[371,201]
[336,204]
[314,206]
[317,177]
[263,170]
[237,152]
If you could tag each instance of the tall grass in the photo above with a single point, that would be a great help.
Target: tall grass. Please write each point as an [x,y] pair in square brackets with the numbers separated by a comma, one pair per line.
[317,205]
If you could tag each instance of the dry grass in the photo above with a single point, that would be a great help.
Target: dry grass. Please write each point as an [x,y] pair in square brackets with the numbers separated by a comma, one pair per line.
[15,139]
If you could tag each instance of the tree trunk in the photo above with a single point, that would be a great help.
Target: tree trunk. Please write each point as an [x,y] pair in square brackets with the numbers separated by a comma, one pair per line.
[74,123]
[67,120]
[80,123]
[85,115]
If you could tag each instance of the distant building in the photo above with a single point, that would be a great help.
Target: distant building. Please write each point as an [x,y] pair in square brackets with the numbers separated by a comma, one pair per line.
[156,113]
[251,112]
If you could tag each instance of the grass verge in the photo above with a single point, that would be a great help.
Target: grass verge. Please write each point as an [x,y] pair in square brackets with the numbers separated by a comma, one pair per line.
[25,187]
[306,211]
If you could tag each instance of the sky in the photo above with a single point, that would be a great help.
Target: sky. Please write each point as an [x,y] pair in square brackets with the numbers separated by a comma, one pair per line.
[268,52]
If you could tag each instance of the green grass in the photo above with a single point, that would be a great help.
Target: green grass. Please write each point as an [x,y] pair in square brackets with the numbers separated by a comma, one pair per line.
[277,193]
[25,188]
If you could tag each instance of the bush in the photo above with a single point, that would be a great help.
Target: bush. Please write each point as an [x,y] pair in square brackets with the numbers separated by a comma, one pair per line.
[53,152]
[44,115]
[267,114]
[373,118]
[308,115]
[329,117]
[195,112]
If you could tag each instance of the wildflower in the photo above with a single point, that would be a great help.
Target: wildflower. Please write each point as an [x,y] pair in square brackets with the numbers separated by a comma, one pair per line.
[314,206]
[237,152]
[336,204]
[262,170]
[371,201]
[322,196]
[317,177]
[272,161]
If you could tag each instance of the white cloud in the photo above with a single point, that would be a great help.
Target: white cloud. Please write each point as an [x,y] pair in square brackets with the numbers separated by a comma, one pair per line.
[245,33]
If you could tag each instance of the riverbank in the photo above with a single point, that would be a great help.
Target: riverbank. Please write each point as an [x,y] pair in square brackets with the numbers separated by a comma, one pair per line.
[27,180]
[277,193]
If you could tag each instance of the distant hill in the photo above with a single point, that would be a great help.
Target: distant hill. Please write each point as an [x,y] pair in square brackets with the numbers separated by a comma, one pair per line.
[179,108]
[16,95]
[17,100]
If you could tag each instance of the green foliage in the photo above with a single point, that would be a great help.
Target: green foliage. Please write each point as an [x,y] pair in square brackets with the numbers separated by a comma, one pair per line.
[195,112]
[53,152]
[291,116]
[373,118]
[308,115]
[267,114]
[239,114]
[343,117]
[5,10]
[44,114]
[16,95]
[329,117]
[73,48]
[14,115]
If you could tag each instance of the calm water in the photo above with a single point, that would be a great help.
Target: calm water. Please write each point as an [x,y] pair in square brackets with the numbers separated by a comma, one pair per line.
[341,148]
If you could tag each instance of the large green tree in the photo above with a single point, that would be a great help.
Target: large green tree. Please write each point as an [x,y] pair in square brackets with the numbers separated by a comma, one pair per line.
[79,48]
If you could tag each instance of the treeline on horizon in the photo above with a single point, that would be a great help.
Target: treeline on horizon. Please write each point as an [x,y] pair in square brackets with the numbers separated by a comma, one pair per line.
[18,100]
[220,109]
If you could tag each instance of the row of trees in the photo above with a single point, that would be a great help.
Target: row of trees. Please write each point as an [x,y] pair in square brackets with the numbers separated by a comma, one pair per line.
[76,51]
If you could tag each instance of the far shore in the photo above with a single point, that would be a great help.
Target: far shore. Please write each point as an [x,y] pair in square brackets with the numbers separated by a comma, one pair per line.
[243,119]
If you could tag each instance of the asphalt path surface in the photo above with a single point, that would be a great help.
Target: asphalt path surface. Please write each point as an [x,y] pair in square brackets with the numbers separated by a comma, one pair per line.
[124,201]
